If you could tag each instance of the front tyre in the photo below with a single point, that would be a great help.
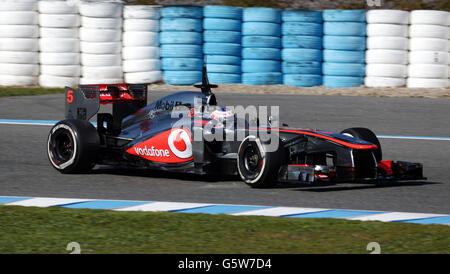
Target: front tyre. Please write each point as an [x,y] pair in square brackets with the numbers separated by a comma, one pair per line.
[366,135]
[72,146]
[257,167]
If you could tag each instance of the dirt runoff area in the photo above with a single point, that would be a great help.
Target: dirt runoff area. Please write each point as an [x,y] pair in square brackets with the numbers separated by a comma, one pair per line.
[320,90]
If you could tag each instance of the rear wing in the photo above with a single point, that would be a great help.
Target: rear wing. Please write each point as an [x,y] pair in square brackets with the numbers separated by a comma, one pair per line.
[85,102]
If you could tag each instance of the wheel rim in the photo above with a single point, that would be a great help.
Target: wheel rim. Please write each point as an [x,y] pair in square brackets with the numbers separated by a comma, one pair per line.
[61,146]
[252,161]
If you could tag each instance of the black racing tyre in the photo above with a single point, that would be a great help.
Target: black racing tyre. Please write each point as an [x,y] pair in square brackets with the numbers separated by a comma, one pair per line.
[72,146]
[258,168]
[366,135]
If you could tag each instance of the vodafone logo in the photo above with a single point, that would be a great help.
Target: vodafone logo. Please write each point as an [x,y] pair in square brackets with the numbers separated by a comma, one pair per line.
[152,152]
[180,143]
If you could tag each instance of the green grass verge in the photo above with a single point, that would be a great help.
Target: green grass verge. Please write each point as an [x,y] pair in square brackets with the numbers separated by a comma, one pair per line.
[49,230]
[22,91]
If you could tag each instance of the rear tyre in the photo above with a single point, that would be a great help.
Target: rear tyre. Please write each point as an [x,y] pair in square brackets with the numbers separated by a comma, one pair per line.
[257,167]
[72,146]
[366,135]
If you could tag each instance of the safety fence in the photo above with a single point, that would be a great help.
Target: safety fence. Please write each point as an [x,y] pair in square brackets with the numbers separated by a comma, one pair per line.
[59,43]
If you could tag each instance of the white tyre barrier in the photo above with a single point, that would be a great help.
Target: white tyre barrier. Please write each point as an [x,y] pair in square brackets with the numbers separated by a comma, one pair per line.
[429,31]
[64,71]
[431,17]
[19,57]
[59,58]
[93,81]
[59,20]
[58,32]
[100,35]
[429,57]
[141,25]
[140,39]
[57,7]
[141,65]
[19,31]
[428,71]
[143,77]
[59,45]
[387,42]
[387,17]
[19,44]
[101,60]
[386,56]
[101,23]
[434,44]
[20,69]
[18,18]
[133,53]
[386,70]
[100,47]
[141,12]
[57,81]
[14,80]
[101,9]
[384,82]
[14,5]
[427,83]
[102,72]
[387,30]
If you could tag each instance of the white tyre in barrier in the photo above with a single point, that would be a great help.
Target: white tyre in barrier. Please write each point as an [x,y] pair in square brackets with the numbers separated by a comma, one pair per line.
[64,71]
[429,57]
[94,81]
[101,9]
[59,20]
[141,65]
[100,47]
[431,17]
[133,53]
[57,7]
[140,39]
[14,5]
[58,32]
[19,31]
[387,42]
[387,17]
[59,58]
[142,12]
[430,31]
[428,71]
[371,81]
[143,77]
[427,83]
[19,69]
[434,44]
[387,30]
[59,45]
[19,44]
[101,23]
[141,25]
[14,80]
[102,72]
[18,18]
[57,81]
[100,35]
[19,57]
[386,56]
[101,60]
[386,70]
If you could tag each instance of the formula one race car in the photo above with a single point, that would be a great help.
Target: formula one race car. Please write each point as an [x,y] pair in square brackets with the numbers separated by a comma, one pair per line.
[187,132]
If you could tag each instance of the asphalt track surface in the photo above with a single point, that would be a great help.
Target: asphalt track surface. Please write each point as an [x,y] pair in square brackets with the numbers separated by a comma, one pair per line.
[25,170]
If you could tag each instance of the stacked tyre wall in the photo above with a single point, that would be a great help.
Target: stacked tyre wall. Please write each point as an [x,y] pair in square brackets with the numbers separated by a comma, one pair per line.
[101,42]
[302,48]
[261,46]
[19,32]
[344,44]
[222,43]
[140,52]
[181,44]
